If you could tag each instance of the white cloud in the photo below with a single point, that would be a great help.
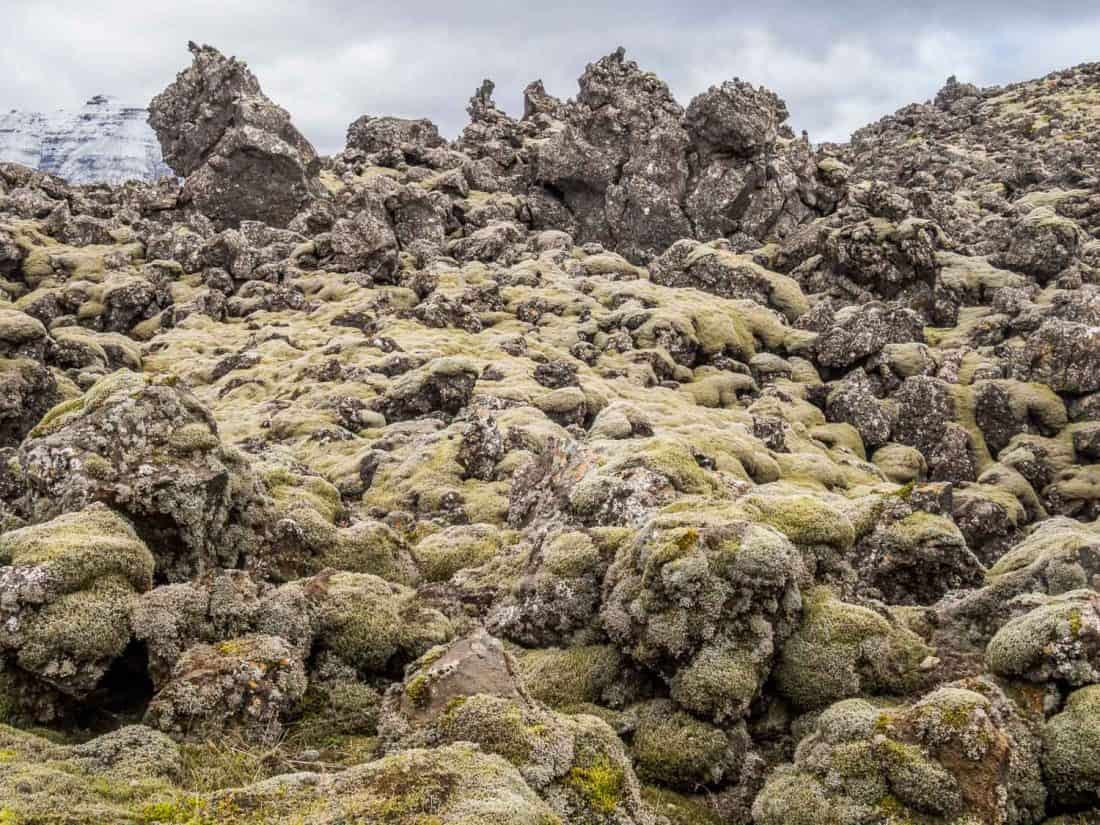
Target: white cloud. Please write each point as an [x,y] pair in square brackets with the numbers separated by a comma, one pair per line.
[838,67]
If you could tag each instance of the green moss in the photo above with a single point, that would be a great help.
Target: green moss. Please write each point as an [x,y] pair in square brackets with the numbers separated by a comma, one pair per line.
[920,528]
[418,691]
[233,647]
[98,467]
[1075,623]
[1071,752]
[673,544]
[186,811]
[441,555]
[366,621]
[673,460]
[570,555]
[676,749]
[293,492]
[370,547]
[89,626]
[563,678]
[919,783]
[679,809]
[893,810]
[57,417]
[720,682]
[497,724]
[78,548]
[803,519]
[192,438]
[904,492]
[600,784]
[793,797]
[843,650]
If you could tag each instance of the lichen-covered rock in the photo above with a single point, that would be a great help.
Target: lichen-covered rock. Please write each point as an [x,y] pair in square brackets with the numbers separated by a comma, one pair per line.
[241,157]
[393,138]
[172,618]
[365,242]
[250,682]
[710,268]
[66,590]
[444,386]
[477,664]
[865,330]
[1071,750]
[152,451]
[962,753]
[21,335]
[917,559]
[925,420]
[705,600]
[619,163]
[735,117]
[852,401]
[1057,640]
[558,596]
[468,692]
[27,392]
[1065,356]
[1043,244]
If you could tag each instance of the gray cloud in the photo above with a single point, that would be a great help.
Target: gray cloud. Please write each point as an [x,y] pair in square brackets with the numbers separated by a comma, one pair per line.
[838,66]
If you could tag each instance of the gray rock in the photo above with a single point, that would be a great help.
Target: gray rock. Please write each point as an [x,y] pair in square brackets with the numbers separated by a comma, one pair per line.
[241,157]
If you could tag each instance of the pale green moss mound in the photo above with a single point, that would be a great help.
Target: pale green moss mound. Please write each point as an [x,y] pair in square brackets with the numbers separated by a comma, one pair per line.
[1060,639]
[843,650]
[75,549]
[1071,750]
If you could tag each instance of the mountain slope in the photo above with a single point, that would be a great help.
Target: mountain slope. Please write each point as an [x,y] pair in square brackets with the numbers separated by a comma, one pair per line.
[102,142]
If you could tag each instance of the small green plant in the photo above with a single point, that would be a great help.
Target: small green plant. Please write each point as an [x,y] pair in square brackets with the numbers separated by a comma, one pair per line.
[601,785]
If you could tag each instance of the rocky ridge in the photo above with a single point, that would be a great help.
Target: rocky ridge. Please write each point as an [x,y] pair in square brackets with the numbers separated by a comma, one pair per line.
[627,462]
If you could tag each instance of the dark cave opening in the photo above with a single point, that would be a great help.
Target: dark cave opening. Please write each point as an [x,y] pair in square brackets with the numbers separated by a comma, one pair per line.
[122,694]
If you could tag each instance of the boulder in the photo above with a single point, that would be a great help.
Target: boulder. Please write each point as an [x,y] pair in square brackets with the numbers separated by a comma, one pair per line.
[240,156]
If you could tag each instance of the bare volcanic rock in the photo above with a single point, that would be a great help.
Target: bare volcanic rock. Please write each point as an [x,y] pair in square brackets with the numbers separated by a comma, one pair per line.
[394,138]
[636,172]
[620,162]
[240,154]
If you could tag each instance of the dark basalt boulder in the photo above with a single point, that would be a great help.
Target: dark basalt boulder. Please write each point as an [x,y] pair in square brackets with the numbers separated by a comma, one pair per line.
[240,156]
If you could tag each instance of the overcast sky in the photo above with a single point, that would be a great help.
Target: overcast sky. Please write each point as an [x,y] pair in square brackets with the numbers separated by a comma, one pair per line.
[839,65]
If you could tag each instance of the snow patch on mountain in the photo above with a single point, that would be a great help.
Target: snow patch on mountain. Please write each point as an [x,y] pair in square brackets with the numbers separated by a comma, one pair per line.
[102,142]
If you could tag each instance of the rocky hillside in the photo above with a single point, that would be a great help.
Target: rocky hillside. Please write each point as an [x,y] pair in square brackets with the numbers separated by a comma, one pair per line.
[102,142]
[624,464]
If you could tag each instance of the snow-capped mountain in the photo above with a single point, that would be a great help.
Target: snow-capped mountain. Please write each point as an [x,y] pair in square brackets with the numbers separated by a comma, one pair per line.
[102,142]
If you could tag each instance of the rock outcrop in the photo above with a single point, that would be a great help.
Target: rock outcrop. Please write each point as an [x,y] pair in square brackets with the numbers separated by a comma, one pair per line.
[239,154]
